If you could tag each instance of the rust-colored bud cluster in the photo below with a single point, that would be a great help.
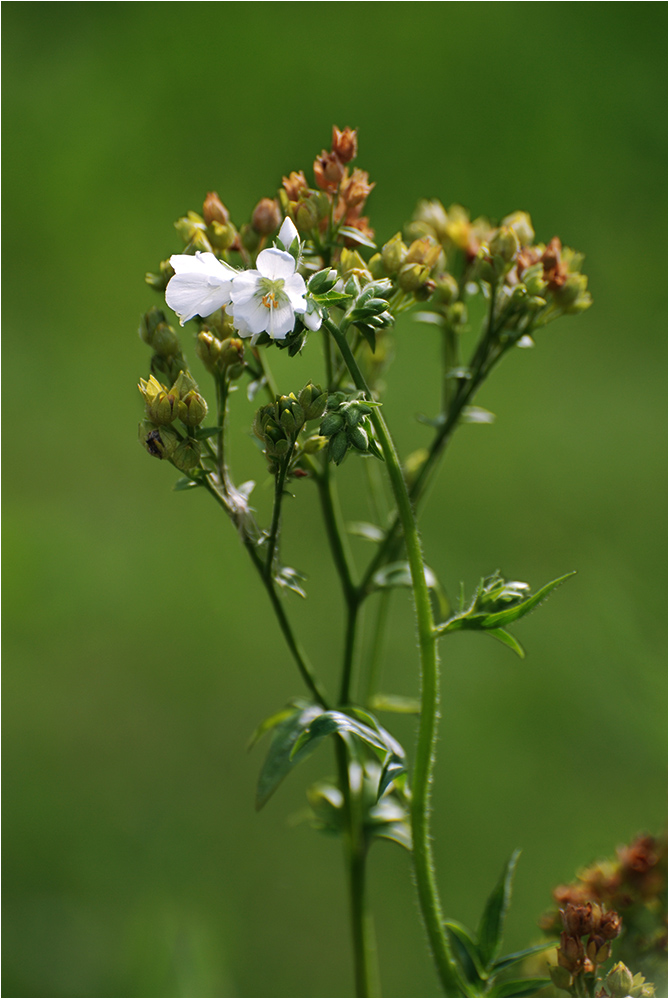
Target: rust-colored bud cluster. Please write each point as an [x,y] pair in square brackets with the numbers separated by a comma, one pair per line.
[576,955]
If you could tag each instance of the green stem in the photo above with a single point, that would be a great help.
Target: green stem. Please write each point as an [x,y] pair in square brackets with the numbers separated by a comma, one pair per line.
[376,653]
[298,654]
[279,483]
[420,804]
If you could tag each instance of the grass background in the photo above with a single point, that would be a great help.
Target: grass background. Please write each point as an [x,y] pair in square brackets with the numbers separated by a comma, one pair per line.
[140,652]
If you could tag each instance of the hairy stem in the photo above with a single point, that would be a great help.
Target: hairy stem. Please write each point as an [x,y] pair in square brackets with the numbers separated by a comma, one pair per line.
[420,805]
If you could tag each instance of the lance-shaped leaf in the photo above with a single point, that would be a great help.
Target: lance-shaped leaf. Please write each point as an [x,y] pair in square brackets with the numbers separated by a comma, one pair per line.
[491,926]
[508,960]
[330,722]
[393,769]
[356,236]
[281,757]
[520,987]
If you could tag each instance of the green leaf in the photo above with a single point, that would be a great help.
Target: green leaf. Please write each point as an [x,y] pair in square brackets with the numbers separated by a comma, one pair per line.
[290,579]
[329,297]
[396,832]
[281,758]
[504,617]
[396,704]
[329,722]
[364,530]
[356,235]
[202,433]
[508,960]
[393,769]
[475,414]
[184,483]
[398,574]
[491,926]
[466,948]
[273,720]
[520,987]
[391,744]
[507,639]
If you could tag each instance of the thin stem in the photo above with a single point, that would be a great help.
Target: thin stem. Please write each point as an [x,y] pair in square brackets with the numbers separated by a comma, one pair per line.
[298,654]
[376,653]
[420,805]
[279,484]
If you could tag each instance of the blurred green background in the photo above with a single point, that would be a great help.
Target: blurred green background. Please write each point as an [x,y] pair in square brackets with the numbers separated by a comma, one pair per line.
[139,650]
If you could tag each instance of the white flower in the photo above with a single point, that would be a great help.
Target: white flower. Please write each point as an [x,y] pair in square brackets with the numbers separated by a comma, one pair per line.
[201,285]
[266,299]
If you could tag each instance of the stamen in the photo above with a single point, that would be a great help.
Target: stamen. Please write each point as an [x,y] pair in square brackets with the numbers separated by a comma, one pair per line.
[269,300]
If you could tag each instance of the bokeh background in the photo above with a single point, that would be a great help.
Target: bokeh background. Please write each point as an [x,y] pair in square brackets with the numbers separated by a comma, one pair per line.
[139,650]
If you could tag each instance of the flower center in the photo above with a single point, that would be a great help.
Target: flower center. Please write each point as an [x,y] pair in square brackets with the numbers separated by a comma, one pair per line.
[273,295]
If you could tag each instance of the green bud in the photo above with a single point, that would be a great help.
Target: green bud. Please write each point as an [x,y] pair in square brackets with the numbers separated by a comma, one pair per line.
[187,455]
[332,424]
[376,268]
[533,279]
[358,438]
[291,414]
[184,384]
[163,408]
[619,981]
[338,447]
[307,215]
[521,223]
[249,237]
[190,226]
[159,442]
[413,276]
[560,976]
[314,444]
[323,281]
[447,289]
[393,253]
[192,409]
[160,280]
[147,327]
[221,235]
[312,399]
[164,341]
[260,420]
[352,415]
[505,244]
[208,349]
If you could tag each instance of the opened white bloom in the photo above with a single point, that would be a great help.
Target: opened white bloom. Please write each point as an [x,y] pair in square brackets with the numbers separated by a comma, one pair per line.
[266,299]
[201,285]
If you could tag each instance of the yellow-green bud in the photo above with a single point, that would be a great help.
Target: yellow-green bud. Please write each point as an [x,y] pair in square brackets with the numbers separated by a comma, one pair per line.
[413,276]
[572,291]
[163,408]
[433,214]
[189,226]
[619,980]
[192,409]
[313,400]
[393,253]
[505,244]
[150,321]
[314,444]
[447,289]
[307,215]
[208,349]
[521,223]
[350,262]
[160,442]
[164,341]
[160,280]
[533,279]
[184,384]
[291,414]
[423,251]
[221,235]
[376,268]
[187,455]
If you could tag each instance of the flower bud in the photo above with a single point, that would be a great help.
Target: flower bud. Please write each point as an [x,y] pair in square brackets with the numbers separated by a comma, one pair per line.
[357,188]
[249,237]
[314,444]
[163,408]
[423,251]
[307,215]
[190,227]
[328,171]
[447,289]
[505,245]
[221,235]
[160,280]
[165,341]
[232,353]
[187,455]
[521,223]
[214,210]
[358,438]
[351,263]
[323,281]
[345,144]
[610,925]
[192,409]
[291,414]
[571,953]
[147,327]
[393,253]
[375,265]
[159,442]
[313,400]
[208,349]
[294,184]
[413,276]
[619,981]
[332,424]
[266,216]
[338,447]
[184,384]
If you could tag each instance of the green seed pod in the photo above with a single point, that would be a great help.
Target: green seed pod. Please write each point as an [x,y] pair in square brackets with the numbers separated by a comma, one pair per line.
[312,399]
[162,408]
[187,455]
[352,415]
[358,438]
[192,409]
[159,442]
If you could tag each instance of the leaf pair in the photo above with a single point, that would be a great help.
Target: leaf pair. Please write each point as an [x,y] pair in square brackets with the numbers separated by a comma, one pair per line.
[478,953]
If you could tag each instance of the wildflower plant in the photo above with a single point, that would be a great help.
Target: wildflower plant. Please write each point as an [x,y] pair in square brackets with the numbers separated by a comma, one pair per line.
[308,275]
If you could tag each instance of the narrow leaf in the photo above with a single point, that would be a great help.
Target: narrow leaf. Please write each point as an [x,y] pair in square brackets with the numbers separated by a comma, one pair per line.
[520,987]
[364,530]
[397,832]
[465,947]
[281,759]
[396,704]
[393,768]
[202,433]
[491,926]
[508,960]
[475,414]
[357,236]
[273,720]
[507,639]
[330,722]
[184,483]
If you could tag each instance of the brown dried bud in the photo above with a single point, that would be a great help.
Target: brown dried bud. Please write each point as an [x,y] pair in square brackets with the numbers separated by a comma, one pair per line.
[345,144]
[328,171]
[555,272]
[356,189]
[266,216]
[610,925]
[295,183]
[214,210]
[571,954]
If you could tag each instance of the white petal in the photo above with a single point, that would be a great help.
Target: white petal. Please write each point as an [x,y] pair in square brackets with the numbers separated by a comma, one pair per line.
[245,286]
[288,232]
[295,289]
[254,315]
[200,286]
[275,264]
[281,321]
[312,320]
